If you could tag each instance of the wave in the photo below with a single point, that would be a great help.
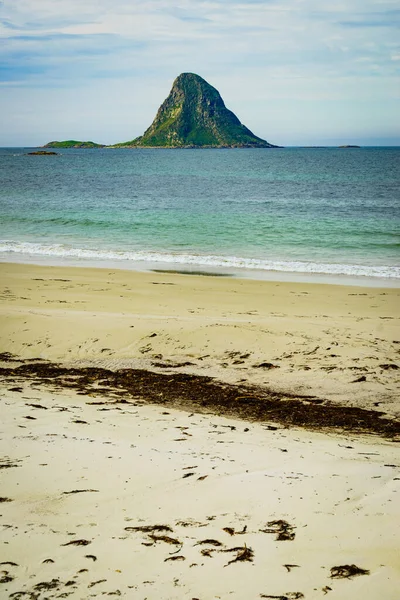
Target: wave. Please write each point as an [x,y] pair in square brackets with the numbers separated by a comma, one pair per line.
[232,262]
[81,222]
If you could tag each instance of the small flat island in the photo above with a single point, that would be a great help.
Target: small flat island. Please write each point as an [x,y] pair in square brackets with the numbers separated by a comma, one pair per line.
[42,153]
[72,144]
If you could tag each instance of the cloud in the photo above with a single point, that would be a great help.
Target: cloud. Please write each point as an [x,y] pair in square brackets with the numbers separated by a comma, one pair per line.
[385,18]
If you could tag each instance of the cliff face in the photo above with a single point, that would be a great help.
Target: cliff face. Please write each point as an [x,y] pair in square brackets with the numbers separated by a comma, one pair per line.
[194,115]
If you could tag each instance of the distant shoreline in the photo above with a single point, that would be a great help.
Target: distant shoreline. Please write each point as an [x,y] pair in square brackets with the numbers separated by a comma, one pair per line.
[92,146]
[287,147]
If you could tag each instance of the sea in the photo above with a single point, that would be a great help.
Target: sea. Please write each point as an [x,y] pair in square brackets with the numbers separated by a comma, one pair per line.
[301,214]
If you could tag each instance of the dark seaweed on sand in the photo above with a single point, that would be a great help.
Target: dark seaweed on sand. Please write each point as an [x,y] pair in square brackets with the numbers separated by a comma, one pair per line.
[77,543]
[165,538]
[39,590]
[203,394]
[79,491]
[283,529]
[347,571]
[209,542]
[287,596]
[233,531]
[244,554]
[93,583]
[290,567]
[47,585]
[207,552]
[6,463]
[8,357]
[149,528]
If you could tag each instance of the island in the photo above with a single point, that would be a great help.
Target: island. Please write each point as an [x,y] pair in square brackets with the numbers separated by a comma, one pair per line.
[73,144]
[195,116]
[42,153]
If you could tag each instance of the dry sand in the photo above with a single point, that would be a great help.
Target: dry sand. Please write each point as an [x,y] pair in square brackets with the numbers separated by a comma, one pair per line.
[75,473]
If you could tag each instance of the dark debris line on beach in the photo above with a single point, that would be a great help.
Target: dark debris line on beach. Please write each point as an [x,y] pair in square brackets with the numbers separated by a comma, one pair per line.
[203,394]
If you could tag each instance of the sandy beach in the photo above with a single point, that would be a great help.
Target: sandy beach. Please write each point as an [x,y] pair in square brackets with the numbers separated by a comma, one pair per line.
[123,473]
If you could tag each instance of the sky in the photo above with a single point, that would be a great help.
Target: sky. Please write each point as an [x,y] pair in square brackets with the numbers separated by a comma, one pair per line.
[295,72]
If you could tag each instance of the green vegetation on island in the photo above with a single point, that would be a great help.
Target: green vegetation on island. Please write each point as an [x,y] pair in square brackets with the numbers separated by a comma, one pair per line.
[73,144]
[195,116]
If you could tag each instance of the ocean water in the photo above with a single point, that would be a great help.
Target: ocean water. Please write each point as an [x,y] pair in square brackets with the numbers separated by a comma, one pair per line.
[251,212]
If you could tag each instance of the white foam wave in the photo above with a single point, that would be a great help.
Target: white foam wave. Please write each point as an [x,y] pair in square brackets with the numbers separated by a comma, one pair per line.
[231,262]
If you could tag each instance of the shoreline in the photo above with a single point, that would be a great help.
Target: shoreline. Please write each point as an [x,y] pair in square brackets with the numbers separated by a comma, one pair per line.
[148,266]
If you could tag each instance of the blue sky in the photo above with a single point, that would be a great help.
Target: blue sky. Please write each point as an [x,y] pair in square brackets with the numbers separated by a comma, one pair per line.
[296,72]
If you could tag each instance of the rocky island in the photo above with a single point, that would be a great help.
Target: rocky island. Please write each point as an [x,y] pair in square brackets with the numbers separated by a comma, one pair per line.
[42,153]
[192,116]
[195,116]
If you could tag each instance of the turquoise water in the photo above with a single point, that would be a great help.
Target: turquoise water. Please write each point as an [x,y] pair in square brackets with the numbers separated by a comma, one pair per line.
[326,211]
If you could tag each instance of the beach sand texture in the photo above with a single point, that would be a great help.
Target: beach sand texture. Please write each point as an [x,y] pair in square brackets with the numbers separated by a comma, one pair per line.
[103,494]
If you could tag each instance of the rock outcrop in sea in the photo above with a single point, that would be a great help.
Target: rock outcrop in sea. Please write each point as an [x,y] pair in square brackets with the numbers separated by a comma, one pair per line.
[42,153]
[195,116]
